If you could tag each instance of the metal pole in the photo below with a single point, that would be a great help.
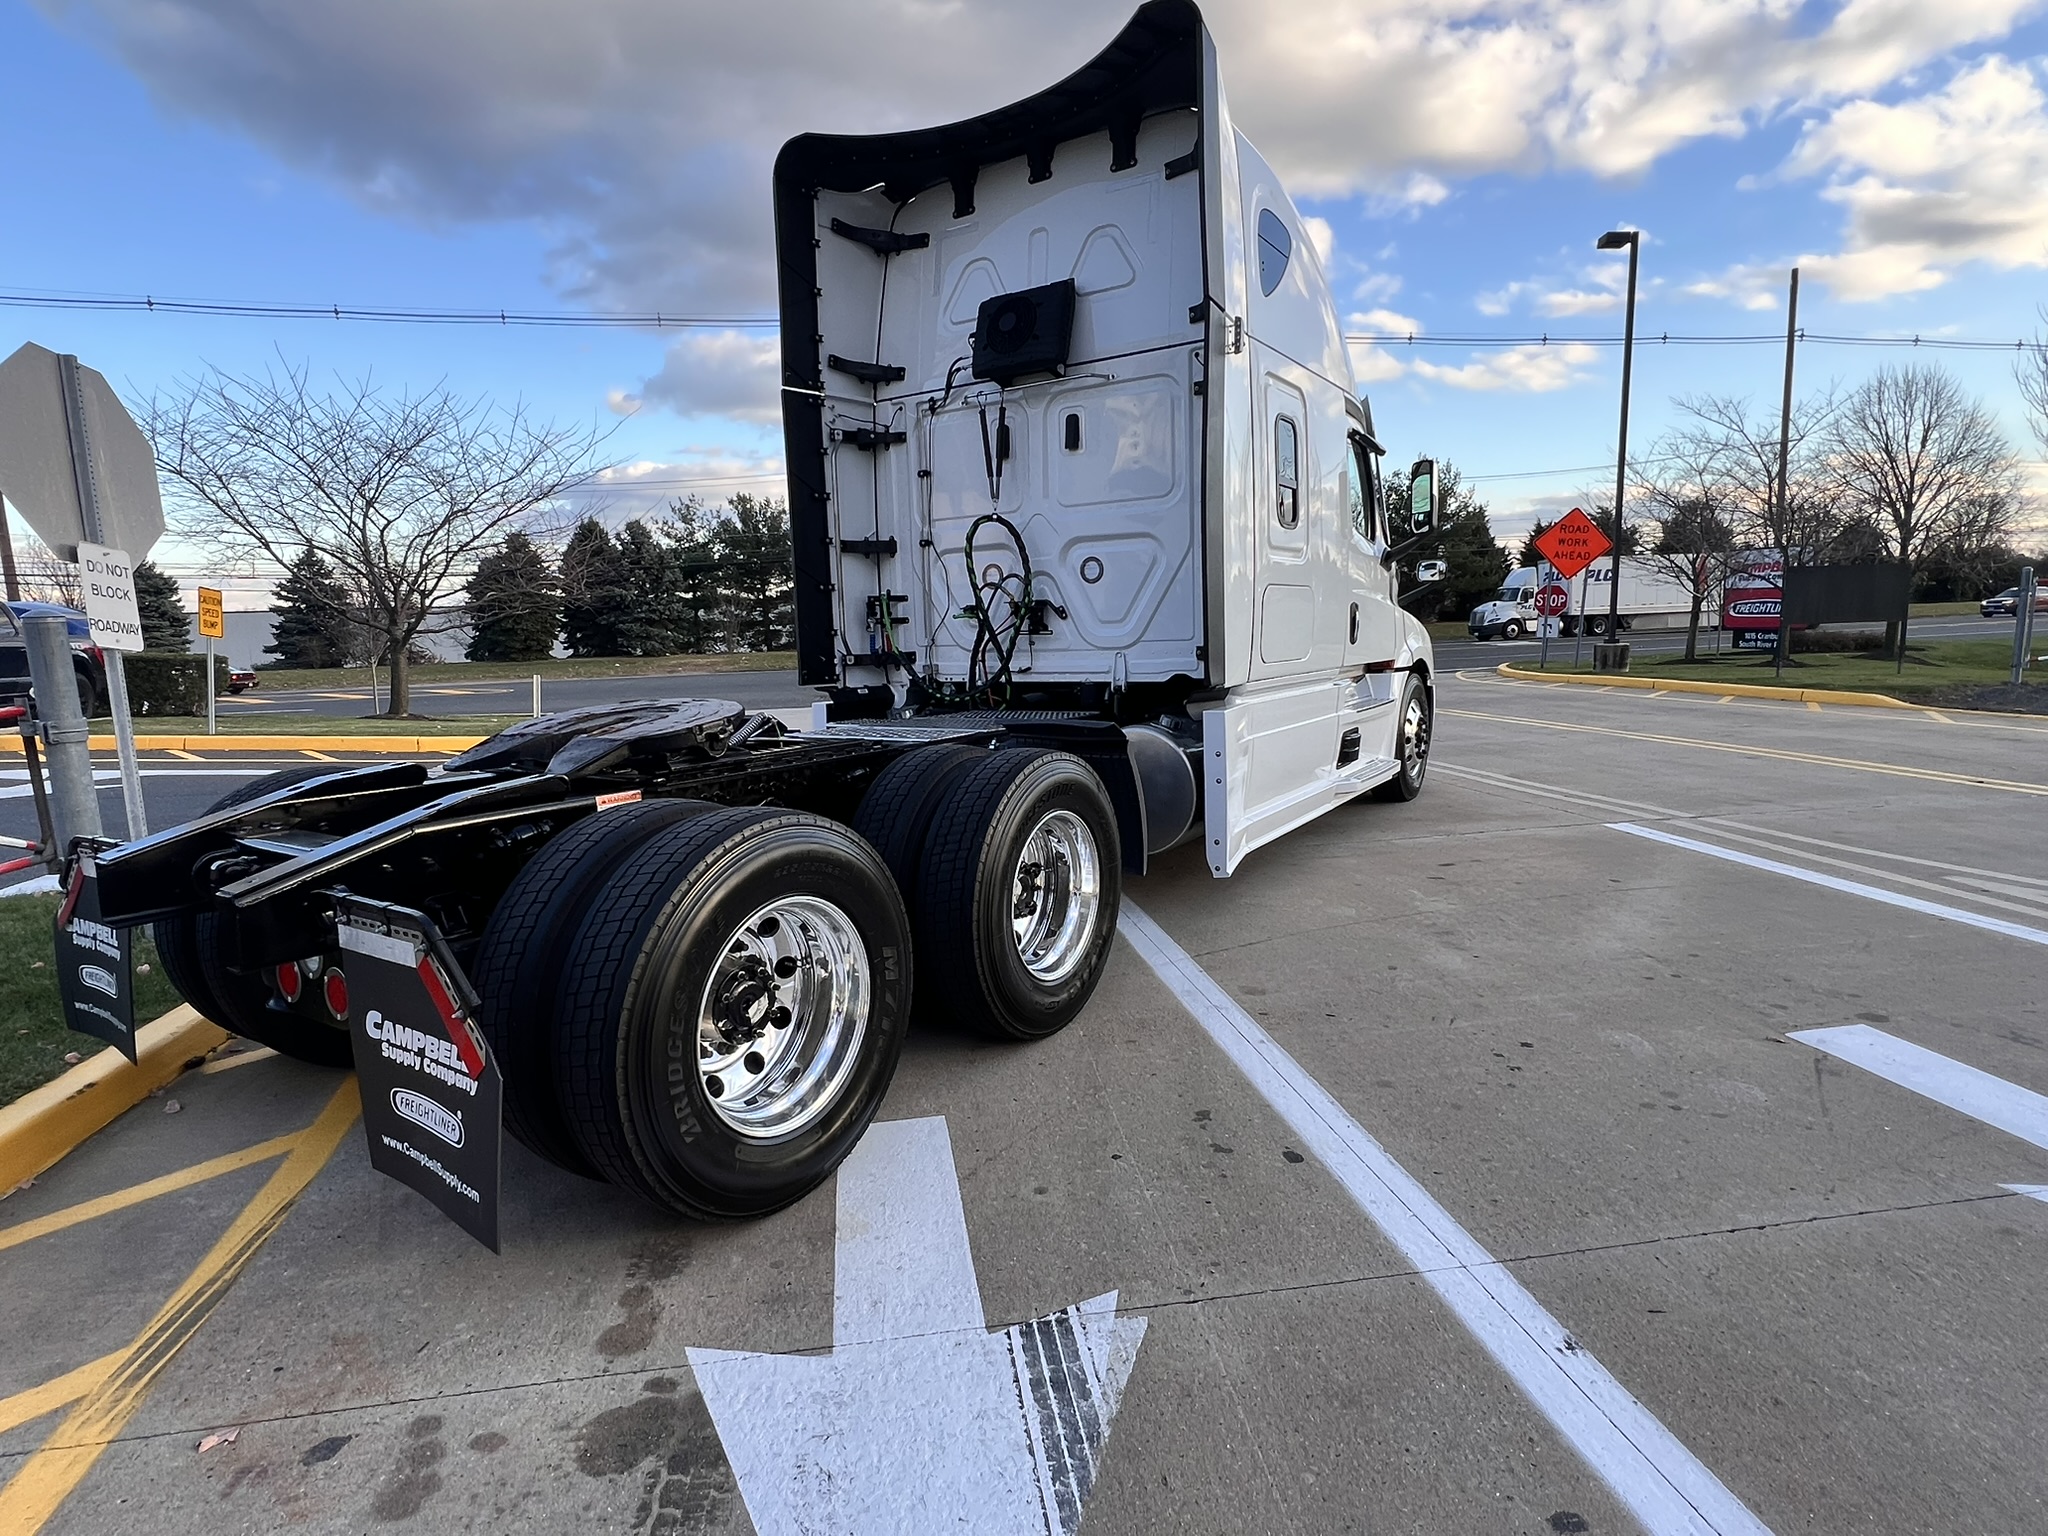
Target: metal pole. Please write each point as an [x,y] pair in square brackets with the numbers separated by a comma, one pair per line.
[1784,461]
[2023,623]
[75,803]
[536,695]
[1543,620]
[95,530]
[212,723]
[1579,629]
[1628,352]
[373,685]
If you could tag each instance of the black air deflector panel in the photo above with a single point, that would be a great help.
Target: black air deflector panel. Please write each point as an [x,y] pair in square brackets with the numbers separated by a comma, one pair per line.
[871,373]
[883,242]
[1026,332]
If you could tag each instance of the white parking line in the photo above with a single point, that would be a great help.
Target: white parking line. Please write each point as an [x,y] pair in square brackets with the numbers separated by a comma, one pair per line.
[2002,1105]
[1663,1484]
[1836,883]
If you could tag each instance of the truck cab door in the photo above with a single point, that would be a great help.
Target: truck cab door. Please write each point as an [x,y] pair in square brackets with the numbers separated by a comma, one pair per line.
[1373,623]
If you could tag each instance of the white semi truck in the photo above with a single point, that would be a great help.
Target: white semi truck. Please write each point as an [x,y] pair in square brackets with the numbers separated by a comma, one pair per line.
[1091,560]
[1651,598]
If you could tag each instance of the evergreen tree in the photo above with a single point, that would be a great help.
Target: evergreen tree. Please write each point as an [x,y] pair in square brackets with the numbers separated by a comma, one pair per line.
[594,594]
[652,613]
[515,604]
[165,624]
[692,532]
[1463,538]
[757,570]
[312,607]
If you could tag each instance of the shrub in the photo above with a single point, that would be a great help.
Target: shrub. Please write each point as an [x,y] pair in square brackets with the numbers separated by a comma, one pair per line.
[160,683]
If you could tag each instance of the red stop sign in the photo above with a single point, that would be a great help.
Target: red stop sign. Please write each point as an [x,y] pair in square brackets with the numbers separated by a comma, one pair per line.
[1552,602]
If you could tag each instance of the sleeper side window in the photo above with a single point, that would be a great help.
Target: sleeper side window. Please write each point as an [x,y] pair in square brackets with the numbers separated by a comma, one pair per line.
[1362,490]
[1286,472]
[1275,247]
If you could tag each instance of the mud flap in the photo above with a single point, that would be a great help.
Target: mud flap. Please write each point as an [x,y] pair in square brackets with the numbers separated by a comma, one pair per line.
[95,974]
[432,1097]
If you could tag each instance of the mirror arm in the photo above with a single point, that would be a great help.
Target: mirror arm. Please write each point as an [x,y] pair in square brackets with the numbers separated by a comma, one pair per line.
[1394,552]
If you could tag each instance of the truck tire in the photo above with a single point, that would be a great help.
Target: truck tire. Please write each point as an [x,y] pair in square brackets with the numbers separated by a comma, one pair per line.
[1002,947]
[189,946]
[1512,630]
[896,813]
[732,1010]
[1414,724]
[518,965]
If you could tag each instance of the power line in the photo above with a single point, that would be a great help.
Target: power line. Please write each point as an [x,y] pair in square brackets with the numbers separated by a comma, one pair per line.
[659,320]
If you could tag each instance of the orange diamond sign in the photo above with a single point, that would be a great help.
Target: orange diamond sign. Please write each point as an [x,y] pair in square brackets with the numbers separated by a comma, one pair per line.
[1572,543]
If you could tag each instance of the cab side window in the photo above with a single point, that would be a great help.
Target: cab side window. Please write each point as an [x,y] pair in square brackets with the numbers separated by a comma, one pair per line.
[1286,472]
[1364,489]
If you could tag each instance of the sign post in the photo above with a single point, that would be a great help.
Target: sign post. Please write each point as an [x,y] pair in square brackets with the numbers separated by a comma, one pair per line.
[213,625]
[1571,544]
[2023,623]
[1553,599]
[84,477]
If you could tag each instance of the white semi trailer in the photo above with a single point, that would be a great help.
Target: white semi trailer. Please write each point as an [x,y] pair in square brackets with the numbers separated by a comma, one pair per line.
[1651,598]
[1091,559]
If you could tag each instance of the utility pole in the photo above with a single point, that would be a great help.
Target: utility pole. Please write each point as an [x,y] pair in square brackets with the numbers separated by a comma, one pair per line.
[1784,460]
[1614,240]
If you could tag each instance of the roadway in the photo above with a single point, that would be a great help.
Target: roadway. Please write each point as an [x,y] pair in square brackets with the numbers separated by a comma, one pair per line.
[1619,1137]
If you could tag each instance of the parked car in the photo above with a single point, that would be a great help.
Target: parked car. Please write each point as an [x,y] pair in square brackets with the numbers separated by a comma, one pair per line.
[87,660]
[240,679]
[2007,603]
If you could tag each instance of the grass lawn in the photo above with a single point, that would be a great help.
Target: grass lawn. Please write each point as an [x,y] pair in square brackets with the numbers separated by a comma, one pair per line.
[1939,611]
[33,1039]
[1943,669]
[317,725]
[498,671]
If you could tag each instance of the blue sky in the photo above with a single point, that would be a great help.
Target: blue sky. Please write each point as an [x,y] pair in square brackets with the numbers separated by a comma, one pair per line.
[613,155]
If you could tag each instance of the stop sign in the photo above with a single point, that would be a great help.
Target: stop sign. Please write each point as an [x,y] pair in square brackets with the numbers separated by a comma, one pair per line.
[1552,602]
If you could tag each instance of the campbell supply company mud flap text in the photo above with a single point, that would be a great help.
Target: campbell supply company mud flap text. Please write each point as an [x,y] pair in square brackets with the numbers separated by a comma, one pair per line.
[431,1092]
[95,974]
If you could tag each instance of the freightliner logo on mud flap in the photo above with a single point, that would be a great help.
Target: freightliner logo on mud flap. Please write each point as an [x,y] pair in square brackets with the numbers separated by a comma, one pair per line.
[431,1092]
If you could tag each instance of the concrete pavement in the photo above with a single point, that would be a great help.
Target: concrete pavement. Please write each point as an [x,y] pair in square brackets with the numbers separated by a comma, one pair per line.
[1586,1048]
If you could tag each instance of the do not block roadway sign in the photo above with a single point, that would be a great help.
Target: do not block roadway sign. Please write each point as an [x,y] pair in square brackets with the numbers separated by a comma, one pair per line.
[110,610]
[1572,543]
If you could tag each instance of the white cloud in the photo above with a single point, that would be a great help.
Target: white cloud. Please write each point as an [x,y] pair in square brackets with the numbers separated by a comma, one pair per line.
[1516,370]
[1577,301]
[720,373]
[1322,237]
[647,487]
[1956,175]
[1383,322]
[1747,285]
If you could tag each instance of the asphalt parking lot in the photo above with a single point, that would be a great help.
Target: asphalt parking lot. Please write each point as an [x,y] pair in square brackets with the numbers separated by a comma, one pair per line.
[1622,1136]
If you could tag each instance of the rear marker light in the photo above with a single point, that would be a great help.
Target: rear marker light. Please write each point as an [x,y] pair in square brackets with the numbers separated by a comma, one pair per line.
[289,982]
[335,989]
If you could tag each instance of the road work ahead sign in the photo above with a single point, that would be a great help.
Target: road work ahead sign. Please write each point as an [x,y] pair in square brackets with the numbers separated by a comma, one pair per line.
[110,612]
[1572,543]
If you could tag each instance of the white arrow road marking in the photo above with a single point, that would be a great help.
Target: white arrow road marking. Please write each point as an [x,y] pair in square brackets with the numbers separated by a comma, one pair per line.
[920,1419]
[1663,1484]
[2031,1191]
[2005,1106]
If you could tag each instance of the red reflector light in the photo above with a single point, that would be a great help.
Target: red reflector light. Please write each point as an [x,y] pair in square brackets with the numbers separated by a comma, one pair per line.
[334,986]
[290,983]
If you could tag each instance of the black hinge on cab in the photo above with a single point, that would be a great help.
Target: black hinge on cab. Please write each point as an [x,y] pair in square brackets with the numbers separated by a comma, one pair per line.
[868,439]
[883,242]
[875,548]
[870,373]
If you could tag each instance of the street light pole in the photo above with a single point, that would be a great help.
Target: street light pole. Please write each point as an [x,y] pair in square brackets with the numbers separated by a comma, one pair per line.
[1614,240]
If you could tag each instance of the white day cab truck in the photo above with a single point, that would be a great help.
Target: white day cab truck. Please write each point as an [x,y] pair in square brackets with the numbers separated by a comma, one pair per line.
[1091,560]
[1651,598]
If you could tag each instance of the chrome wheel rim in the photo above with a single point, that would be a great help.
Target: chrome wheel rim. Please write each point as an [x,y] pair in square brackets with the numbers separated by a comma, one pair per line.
[782,1016]
[1415,739]
[1056,896]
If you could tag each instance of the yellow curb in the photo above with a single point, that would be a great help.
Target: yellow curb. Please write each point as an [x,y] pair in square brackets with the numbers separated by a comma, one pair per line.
[41,1126]
[12,744]
[1739,690]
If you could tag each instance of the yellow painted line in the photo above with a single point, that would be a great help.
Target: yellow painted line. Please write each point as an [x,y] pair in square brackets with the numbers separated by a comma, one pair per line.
[48,1477]
[239,1059]
[1726,698]
[318,756]
[60,1392]
[190,757]
[1685,685]
[149,1189]
[1859,765]
[1812,704]
[11,744]
[42,1125]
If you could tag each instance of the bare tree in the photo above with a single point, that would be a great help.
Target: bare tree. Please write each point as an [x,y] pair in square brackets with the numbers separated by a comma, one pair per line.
[1728,442]
[1926,462]
[399,492]
[2031,372]
[1693,503]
